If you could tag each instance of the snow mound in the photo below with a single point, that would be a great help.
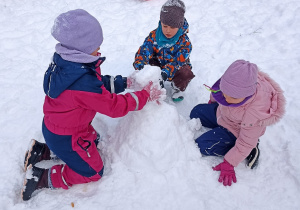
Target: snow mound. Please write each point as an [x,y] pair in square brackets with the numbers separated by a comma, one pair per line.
[153,138]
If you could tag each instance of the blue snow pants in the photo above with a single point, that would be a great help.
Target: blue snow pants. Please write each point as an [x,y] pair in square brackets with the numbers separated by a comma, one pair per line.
[217,141]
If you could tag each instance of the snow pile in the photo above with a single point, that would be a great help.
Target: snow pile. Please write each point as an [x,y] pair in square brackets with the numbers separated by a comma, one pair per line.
[151,161]
[154,143]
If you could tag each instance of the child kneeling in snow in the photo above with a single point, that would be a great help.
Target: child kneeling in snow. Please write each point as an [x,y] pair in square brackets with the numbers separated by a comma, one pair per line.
[169,47]
[75,91]
[248,100]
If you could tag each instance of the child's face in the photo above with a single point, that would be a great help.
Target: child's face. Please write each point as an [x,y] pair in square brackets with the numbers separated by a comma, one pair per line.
[95,52]
[168,31]
[232,100]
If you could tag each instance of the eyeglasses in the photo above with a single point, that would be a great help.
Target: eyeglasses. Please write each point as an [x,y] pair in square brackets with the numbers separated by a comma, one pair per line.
[210,89]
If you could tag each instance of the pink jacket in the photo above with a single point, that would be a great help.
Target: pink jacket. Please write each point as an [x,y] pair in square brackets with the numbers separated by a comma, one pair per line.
[248,122]
[81,96]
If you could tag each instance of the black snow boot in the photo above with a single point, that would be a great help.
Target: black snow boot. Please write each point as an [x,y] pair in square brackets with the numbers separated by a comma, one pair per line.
[36,153]
[36,178]
[252,159]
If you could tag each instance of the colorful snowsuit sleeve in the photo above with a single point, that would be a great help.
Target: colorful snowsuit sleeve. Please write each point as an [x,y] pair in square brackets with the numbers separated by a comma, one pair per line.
[171,59]
[144,53]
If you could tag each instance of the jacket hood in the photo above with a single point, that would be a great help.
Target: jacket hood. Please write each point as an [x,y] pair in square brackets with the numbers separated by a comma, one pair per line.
[62,74]
[278,101]
[185,27]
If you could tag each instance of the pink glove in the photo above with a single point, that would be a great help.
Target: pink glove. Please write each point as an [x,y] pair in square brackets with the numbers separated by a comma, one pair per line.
[153,91]
[227,173]
[129,83]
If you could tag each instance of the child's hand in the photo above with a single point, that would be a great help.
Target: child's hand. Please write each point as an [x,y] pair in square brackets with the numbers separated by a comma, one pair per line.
[131,81]
[154,92]
[227,174]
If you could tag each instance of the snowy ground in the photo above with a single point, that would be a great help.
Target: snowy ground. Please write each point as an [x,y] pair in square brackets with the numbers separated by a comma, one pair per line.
[151,161]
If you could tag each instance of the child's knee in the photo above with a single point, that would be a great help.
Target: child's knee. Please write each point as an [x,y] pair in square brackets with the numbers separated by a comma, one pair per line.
[212,147]
[97,176]
[202,145]
[196,111]
[101,172]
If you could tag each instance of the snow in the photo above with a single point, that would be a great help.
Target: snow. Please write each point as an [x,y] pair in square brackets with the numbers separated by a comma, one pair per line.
[151,160]
[170,3]
[142,78]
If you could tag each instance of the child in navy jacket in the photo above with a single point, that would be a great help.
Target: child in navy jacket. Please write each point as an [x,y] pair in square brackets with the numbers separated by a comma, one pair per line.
[75,91]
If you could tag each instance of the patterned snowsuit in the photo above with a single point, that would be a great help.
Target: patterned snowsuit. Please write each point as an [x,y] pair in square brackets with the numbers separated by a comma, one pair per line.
[169,59]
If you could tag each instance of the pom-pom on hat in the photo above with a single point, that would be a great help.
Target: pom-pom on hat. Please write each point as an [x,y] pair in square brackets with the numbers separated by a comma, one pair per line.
[78,30]
[239,80]
[172,13]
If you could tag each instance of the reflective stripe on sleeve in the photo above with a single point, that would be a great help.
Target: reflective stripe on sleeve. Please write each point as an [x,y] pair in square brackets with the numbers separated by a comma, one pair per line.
[136,100]
[112,84]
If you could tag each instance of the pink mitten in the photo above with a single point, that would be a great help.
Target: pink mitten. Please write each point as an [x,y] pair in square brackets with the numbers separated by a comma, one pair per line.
[129,83]
[153,91]
[227,173]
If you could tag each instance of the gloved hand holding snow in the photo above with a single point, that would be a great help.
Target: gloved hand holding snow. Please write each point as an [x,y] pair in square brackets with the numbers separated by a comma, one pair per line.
[131,81]
[139,80]
[155,92]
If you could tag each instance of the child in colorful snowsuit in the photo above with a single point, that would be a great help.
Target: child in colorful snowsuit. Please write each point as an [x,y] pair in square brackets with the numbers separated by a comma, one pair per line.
[75,91]
[243,103]
[169,47]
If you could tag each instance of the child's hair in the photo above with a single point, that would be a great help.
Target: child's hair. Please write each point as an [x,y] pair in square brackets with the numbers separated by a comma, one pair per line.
[239,80]
[172,13]
[78,30]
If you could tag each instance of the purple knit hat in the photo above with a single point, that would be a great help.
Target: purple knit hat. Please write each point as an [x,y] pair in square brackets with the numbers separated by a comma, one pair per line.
[239,80]
[172,13]
[78,30]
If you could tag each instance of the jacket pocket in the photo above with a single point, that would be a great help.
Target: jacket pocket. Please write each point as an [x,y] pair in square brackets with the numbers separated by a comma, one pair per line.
[84,145]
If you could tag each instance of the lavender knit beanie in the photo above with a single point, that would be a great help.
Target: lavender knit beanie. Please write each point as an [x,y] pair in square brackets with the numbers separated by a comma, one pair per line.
[239,80]
[78,30]
[172,13]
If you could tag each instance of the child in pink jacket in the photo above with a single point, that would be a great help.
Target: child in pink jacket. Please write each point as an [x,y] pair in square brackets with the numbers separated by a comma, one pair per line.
[75,91]
[243,103]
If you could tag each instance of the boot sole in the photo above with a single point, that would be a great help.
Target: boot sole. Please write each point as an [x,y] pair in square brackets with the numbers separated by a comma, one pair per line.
[28,155]
[178,99]
[254,161]
[24,184]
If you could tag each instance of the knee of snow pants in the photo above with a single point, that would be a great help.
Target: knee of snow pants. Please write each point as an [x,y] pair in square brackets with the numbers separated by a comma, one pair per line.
[216,142]
[79,152]
[206,113]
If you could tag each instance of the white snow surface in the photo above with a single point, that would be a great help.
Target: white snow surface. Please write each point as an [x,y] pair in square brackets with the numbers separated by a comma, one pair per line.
[151,160]
[176,3]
